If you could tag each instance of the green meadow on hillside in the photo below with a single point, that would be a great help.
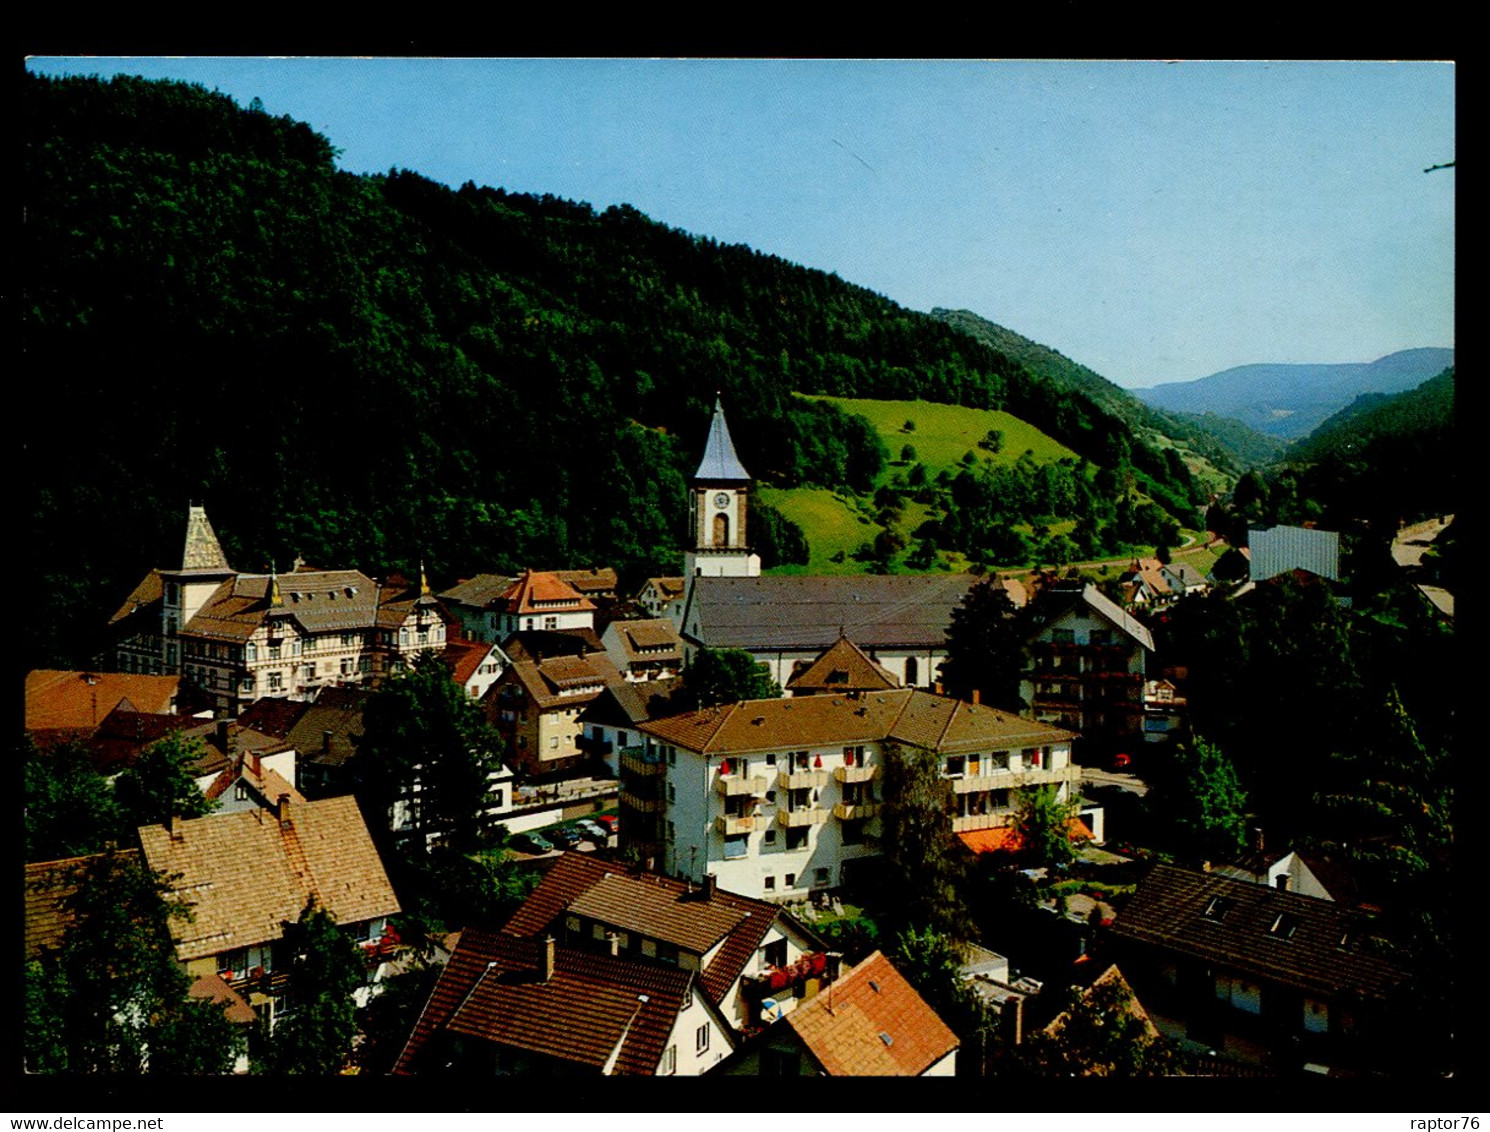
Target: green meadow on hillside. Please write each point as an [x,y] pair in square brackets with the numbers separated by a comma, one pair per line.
[944,434]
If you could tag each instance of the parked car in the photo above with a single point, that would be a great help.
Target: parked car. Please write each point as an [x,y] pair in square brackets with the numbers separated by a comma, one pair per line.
[594,831]
[566,837]
[610,822]
[532,843]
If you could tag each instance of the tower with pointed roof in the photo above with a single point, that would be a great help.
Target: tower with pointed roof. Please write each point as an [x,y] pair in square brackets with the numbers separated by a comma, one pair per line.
[718,505]
[204,567]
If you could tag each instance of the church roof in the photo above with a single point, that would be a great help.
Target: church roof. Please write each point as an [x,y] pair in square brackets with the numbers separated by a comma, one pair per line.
[811,612]
[720,461]
[203,552]
[843,667]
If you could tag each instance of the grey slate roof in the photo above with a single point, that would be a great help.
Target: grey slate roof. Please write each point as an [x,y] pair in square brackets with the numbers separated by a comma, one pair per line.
[720,461]
[804,612]
[1277,550]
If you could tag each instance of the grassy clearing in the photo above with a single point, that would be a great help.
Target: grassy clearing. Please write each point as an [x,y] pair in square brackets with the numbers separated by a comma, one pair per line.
[944,434]
[831,522]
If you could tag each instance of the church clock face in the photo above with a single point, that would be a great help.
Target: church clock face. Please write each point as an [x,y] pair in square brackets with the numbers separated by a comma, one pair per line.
[721,500]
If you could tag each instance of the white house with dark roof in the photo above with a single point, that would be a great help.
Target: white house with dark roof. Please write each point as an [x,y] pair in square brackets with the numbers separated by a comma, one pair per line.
[644,650]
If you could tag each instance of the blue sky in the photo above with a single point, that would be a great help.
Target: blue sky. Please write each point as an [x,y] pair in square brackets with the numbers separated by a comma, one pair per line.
[1156,222]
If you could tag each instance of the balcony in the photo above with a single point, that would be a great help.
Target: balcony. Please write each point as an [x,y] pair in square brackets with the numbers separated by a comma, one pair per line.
[856,811]
[801,779]
[854,773]
[734,826]
[642,762]
[792,819]
[639,804]
[734,785]
[1014,779]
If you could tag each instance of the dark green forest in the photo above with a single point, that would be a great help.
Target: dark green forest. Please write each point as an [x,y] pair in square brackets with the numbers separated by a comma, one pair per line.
[371,371]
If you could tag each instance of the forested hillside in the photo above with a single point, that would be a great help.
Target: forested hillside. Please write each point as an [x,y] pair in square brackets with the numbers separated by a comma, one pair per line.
[371,371]
[1387,458]
[1211,445]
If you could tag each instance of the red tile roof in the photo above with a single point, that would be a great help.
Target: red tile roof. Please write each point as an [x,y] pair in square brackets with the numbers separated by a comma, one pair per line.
[536,592]
[68,699]
[843,667]
[872,1023]
[589,1011]
[646,903]
[214,989]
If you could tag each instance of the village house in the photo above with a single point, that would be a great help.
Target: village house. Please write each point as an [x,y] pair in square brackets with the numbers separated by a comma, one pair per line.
[536,704]
[70,704]
[1281,549]
[475,665]
[247,874]
[871,1024]
[604,970]
[663,597]
[644,650]
[780,799]
[842,667]
[476,604]
[1251,970]
[1086,665]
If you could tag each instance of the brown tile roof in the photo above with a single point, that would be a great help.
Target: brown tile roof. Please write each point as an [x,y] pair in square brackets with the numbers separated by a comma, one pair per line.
[661,902]
[907,715]
[337,711]
[843,667]
[1324,955]
[669,589]
[66,699]
[399,599]
[145,599]
[246,874]
[626,703]
[845,1028]
[481,592]
[551,683]
[321,601]
[273,715]
[213,989]
[493,989]
[808,612]
[536,592]
[48,885]
[653,639]
[597,581]
[625,901]
[534,644]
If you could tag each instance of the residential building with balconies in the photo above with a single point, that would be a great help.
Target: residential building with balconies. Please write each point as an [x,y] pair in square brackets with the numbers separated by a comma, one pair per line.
[1085,666]
[780,799]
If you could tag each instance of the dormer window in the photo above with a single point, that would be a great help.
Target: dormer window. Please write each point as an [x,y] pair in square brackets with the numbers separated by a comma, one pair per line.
[1284,926]
[1216,910]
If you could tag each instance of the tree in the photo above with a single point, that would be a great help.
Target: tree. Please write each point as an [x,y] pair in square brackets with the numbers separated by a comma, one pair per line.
[1044,824]
[1101,1033]
[112,998]
[908,454]
[69,809]
[389,1017]
[983,647]
[723,676]
[162,784]
[1198,798]
[931,962]
[316,1037]
[926,864]
[420,728]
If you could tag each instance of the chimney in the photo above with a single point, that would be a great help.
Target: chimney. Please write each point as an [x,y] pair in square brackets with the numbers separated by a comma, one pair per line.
[222,736]
[175,827]
[285,819]
[937,688]
[325,742]
[1257,838]
[253,762]
[548,959]
[1205,866]
[708,889]
[614,940]
[977,696]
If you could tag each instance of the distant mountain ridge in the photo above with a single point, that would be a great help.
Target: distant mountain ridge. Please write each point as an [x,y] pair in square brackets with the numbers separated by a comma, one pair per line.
[1227,444]
[1290,400]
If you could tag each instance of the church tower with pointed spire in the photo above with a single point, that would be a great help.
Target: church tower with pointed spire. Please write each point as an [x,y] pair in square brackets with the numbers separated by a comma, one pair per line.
[718,505]
[204,567]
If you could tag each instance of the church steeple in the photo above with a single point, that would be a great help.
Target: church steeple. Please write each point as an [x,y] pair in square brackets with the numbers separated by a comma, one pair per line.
[721,464]
[718,504]
[203,551]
